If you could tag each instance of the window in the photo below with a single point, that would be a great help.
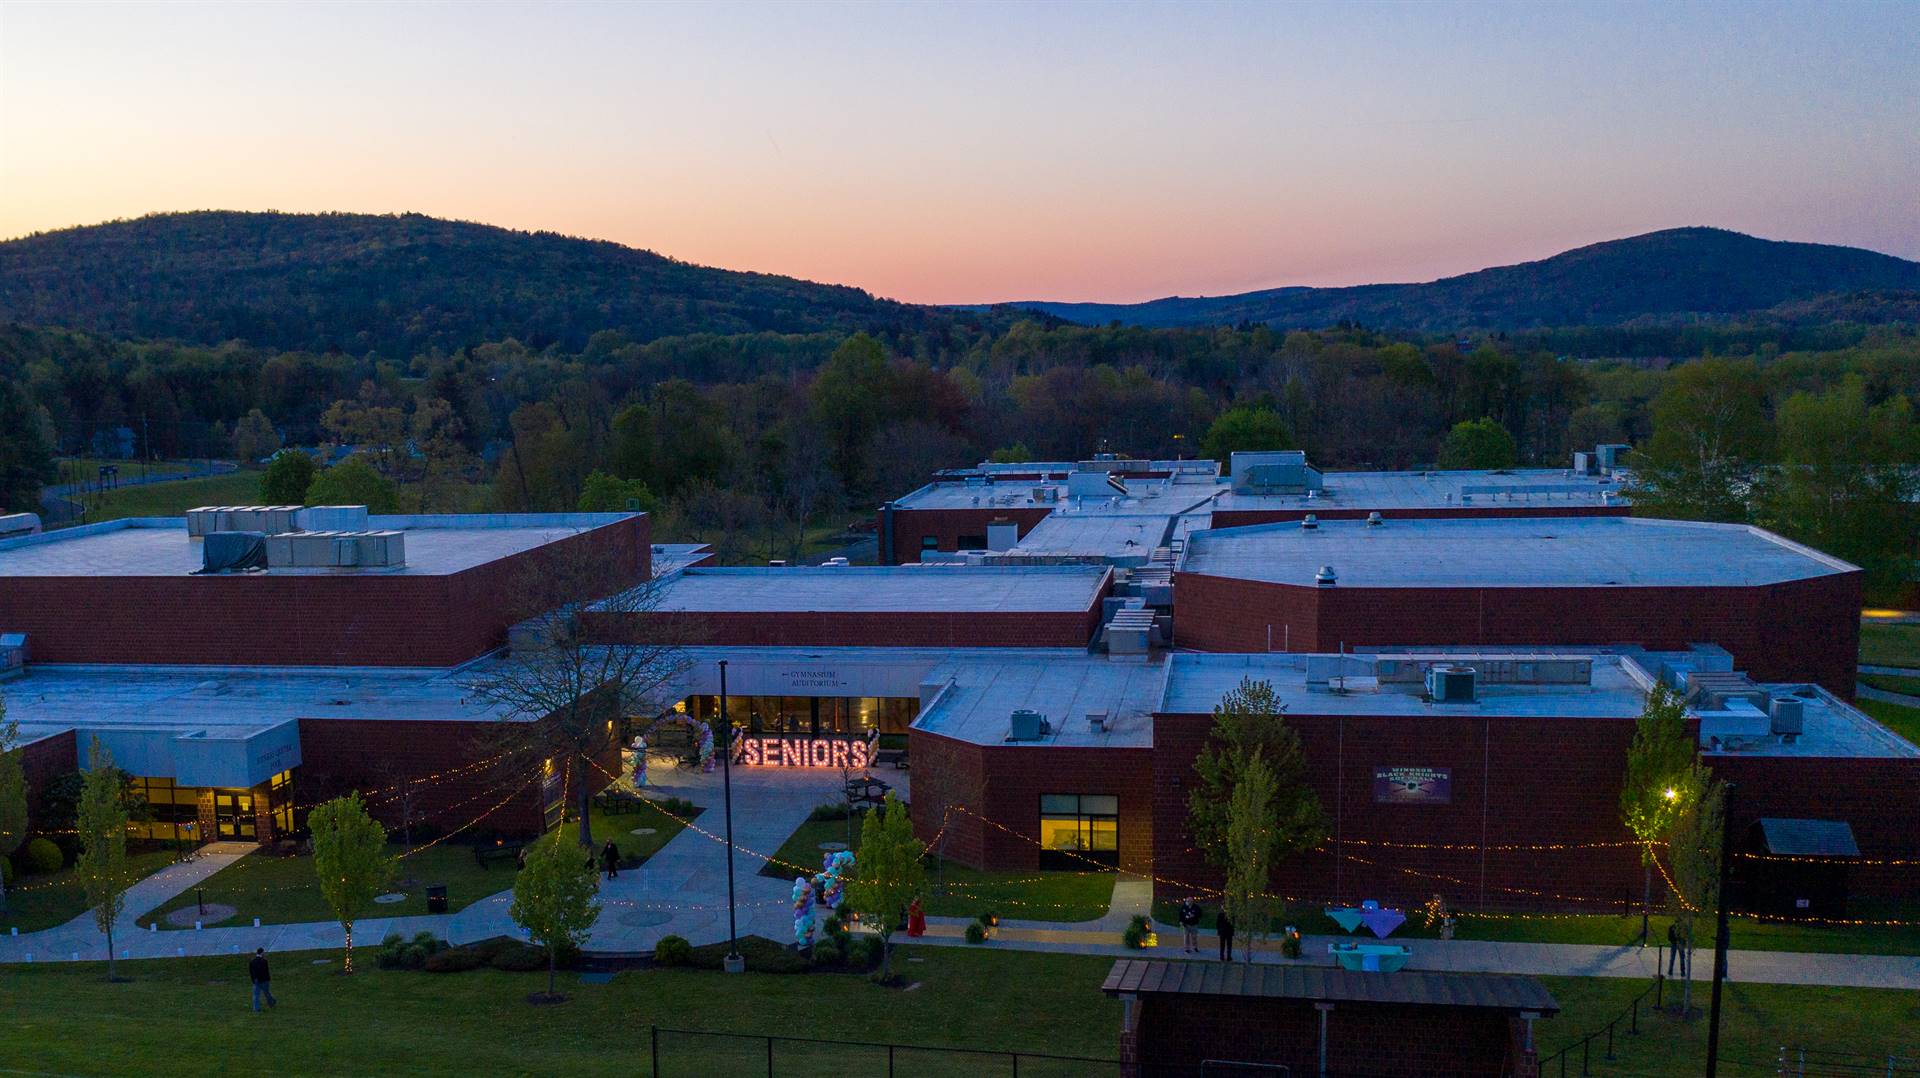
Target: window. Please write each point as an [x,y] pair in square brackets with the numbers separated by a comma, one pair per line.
[1078,828]
[929,542]
[972,542]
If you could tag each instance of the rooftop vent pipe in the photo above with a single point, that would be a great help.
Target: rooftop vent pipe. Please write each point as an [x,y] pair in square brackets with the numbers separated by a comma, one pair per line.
[1374,520]
[1309,522]
[1325,577]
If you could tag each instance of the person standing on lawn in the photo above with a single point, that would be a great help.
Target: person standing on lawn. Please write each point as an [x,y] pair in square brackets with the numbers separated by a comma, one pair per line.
[262,979]
[611,856]
[1190,924]
[1224,929]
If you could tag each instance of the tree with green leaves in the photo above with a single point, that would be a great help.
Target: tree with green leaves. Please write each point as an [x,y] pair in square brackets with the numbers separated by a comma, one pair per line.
[1017,453]
[354,481]
[1709,426]
[1693,850]
[554,899]
[603,493]
[1481,444]
[1251,821]
[254,438]
[887,874]
[26,449]
[13,794]
[1654,793]
[1245,429]
[1247,722]
[288,477]
[102,865]
[849,393]
[350,859]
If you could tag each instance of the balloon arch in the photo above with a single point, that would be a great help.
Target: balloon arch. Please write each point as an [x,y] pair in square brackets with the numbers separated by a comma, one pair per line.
[703,745]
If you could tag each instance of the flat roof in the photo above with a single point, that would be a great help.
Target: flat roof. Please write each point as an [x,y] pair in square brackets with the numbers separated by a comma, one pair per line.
[1197,681]
[1437,489]
[977,697]
[1425,988]
[673,557]
[436,545]
[1127,537]
[1830,727]
[886,589]
[1519,552]
[1174,493]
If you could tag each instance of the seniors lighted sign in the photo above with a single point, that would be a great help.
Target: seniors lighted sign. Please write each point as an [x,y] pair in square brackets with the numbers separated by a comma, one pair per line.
[804,752]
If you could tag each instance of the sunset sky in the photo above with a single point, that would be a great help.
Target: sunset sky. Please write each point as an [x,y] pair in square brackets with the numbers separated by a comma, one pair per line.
[984,152]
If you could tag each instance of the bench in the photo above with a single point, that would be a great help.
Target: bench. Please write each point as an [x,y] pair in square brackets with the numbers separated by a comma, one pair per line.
[508,852]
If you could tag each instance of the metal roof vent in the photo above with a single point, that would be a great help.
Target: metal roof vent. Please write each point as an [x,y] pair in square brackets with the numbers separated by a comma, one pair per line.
[1027,725]
[1309,522]
[1325,577]
[1374,519]
[1450,684]
[1789,715]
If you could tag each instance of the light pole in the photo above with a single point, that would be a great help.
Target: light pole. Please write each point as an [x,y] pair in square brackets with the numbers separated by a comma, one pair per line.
[1720,934]
[734,963]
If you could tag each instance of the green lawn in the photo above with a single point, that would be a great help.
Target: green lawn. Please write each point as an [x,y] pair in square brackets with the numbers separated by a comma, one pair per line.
[37,902]
[1890,645]
[54,1018]
[282,890]
[173,499]
[87,469]
[1893,683]
[1746,934]
[1899,718]
[960,891]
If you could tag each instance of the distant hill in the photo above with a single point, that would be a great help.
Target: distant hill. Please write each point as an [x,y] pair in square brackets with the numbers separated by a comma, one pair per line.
[1677,272]
[396,285]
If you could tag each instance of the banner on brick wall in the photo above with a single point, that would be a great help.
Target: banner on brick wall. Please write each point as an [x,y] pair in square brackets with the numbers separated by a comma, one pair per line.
[1413,785]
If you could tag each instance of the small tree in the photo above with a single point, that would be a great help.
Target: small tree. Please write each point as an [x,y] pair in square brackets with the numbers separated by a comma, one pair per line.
[254,438]
[1478,443]
[353,481]
[102,823]
[1693,848]
[288,477]
[1246,722]
[1654,792]
[13,795]
[553,899]
[887,874]
[1245,429]
[351,860]
[1250,826]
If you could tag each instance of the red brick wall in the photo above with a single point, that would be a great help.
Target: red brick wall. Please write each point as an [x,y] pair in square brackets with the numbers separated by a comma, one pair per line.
[43,761]
[1804,630]
[1879,798]
[1237,518]
[1004,783]
[1515,781]
[911,525]
[1381,1040]
[284,620]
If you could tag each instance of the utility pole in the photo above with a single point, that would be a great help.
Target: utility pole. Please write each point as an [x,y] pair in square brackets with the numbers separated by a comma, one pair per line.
[734,963]
[1720,934]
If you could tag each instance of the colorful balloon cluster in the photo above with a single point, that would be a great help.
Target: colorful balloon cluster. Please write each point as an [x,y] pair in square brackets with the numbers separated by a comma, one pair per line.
[803,900]
[834,870]
[706,745]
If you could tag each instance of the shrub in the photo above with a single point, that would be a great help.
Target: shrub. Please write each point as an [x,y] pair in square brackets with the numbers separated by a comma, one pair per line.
[1290,945]
[1140,922]
[862,953]
[672,951]
[454,960]
[520,958]
[988,919]
[429,942]
[976,934]
[835,929]
[831,810]
[828,953]
[488,949]
[392,948]
[677,806]
[42,856]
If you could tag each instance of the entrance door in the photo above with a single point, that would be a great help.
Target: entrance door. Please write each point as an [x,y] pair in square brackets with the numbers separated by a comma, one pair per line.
[233,815]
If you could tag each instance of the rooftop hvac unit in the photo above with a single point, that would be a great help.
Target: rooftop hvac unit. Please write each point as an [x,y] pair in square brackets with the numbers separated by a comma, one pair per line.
[336,550]
[1789,715]
[13,655]
[1450,684]
[1027,725]
[332,518]
[266,519]
[231,551]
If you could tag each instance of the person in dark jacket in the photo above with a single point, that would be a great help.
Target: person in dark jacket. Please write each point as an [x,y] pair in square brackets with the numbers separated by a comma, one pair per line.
[262,979]
[610,857]
[1190,923]
[1224,928]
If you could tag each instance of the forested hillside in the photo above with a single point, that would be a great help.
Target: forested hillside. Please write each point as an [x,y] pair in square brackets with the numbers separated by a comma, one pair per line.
[397,285]
[1677,272]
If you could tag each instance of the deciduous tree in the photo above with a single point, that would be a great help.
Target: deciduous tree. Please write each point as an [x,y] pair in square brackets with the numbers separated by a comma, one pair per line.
[255,439]
[887,874]
[13,794]
[1653,794]
[1251,822]
[1248,721]
[353,481]
[1478,443]
[102,823]
[288,477]
[1693,850]
[1245,429]
[554,899]
[350,859]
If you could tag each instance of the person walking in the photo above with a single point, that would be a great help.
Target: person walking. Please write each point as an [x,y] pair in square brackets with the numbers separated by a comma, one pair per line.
[1190,924]
[611,856]
[1223,927]
[262,979]
[1673,945]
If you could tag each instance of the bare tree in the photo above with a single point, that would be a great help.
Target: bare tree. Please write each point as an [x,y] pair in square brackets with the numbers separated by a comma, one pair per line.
[580,661]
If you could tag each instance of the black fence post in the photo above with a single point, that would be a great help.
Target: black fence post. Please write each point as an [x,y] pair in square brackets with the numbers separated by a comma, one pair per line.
[1610,1040]
[655,1037]
[889,1061]
[1584,1045]
[1016,1064]
[1635,1027]
[1659,989]
[769,1057]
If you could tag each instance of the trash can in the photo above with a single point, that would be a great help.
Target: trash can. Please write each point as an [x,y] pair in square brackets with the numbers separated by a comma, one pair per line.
[437,898]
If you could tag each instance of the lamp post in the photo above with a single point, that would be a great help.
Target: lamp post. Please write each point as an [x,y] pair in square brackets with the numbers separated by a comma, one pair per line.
[1720,935]
[734,963]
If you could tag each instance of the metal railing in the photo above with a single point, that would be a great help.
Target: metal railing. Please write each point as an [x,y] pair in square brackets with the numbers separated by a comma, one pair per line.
[1630,1016]
[677,1052]
[1799,1061]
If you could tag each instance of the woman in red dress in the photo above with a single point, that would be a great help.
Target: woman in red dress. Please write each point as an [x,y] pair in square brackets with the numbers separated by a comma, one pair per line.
[916,919]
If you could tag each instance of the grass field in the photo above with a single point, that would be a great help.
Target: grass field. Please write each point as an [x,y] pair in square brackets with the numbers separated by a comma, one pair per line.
[37,902]
[64,1018]
[1899,718]
[1893,683]
[282,890]
[1890,645]
[173,499]
[967,892]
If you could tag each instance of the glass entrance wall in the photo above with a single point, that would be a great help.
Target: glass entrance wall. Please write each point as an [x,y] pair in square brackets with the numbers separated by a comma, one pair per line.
[810,715]
[1076,828]
[174,811]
